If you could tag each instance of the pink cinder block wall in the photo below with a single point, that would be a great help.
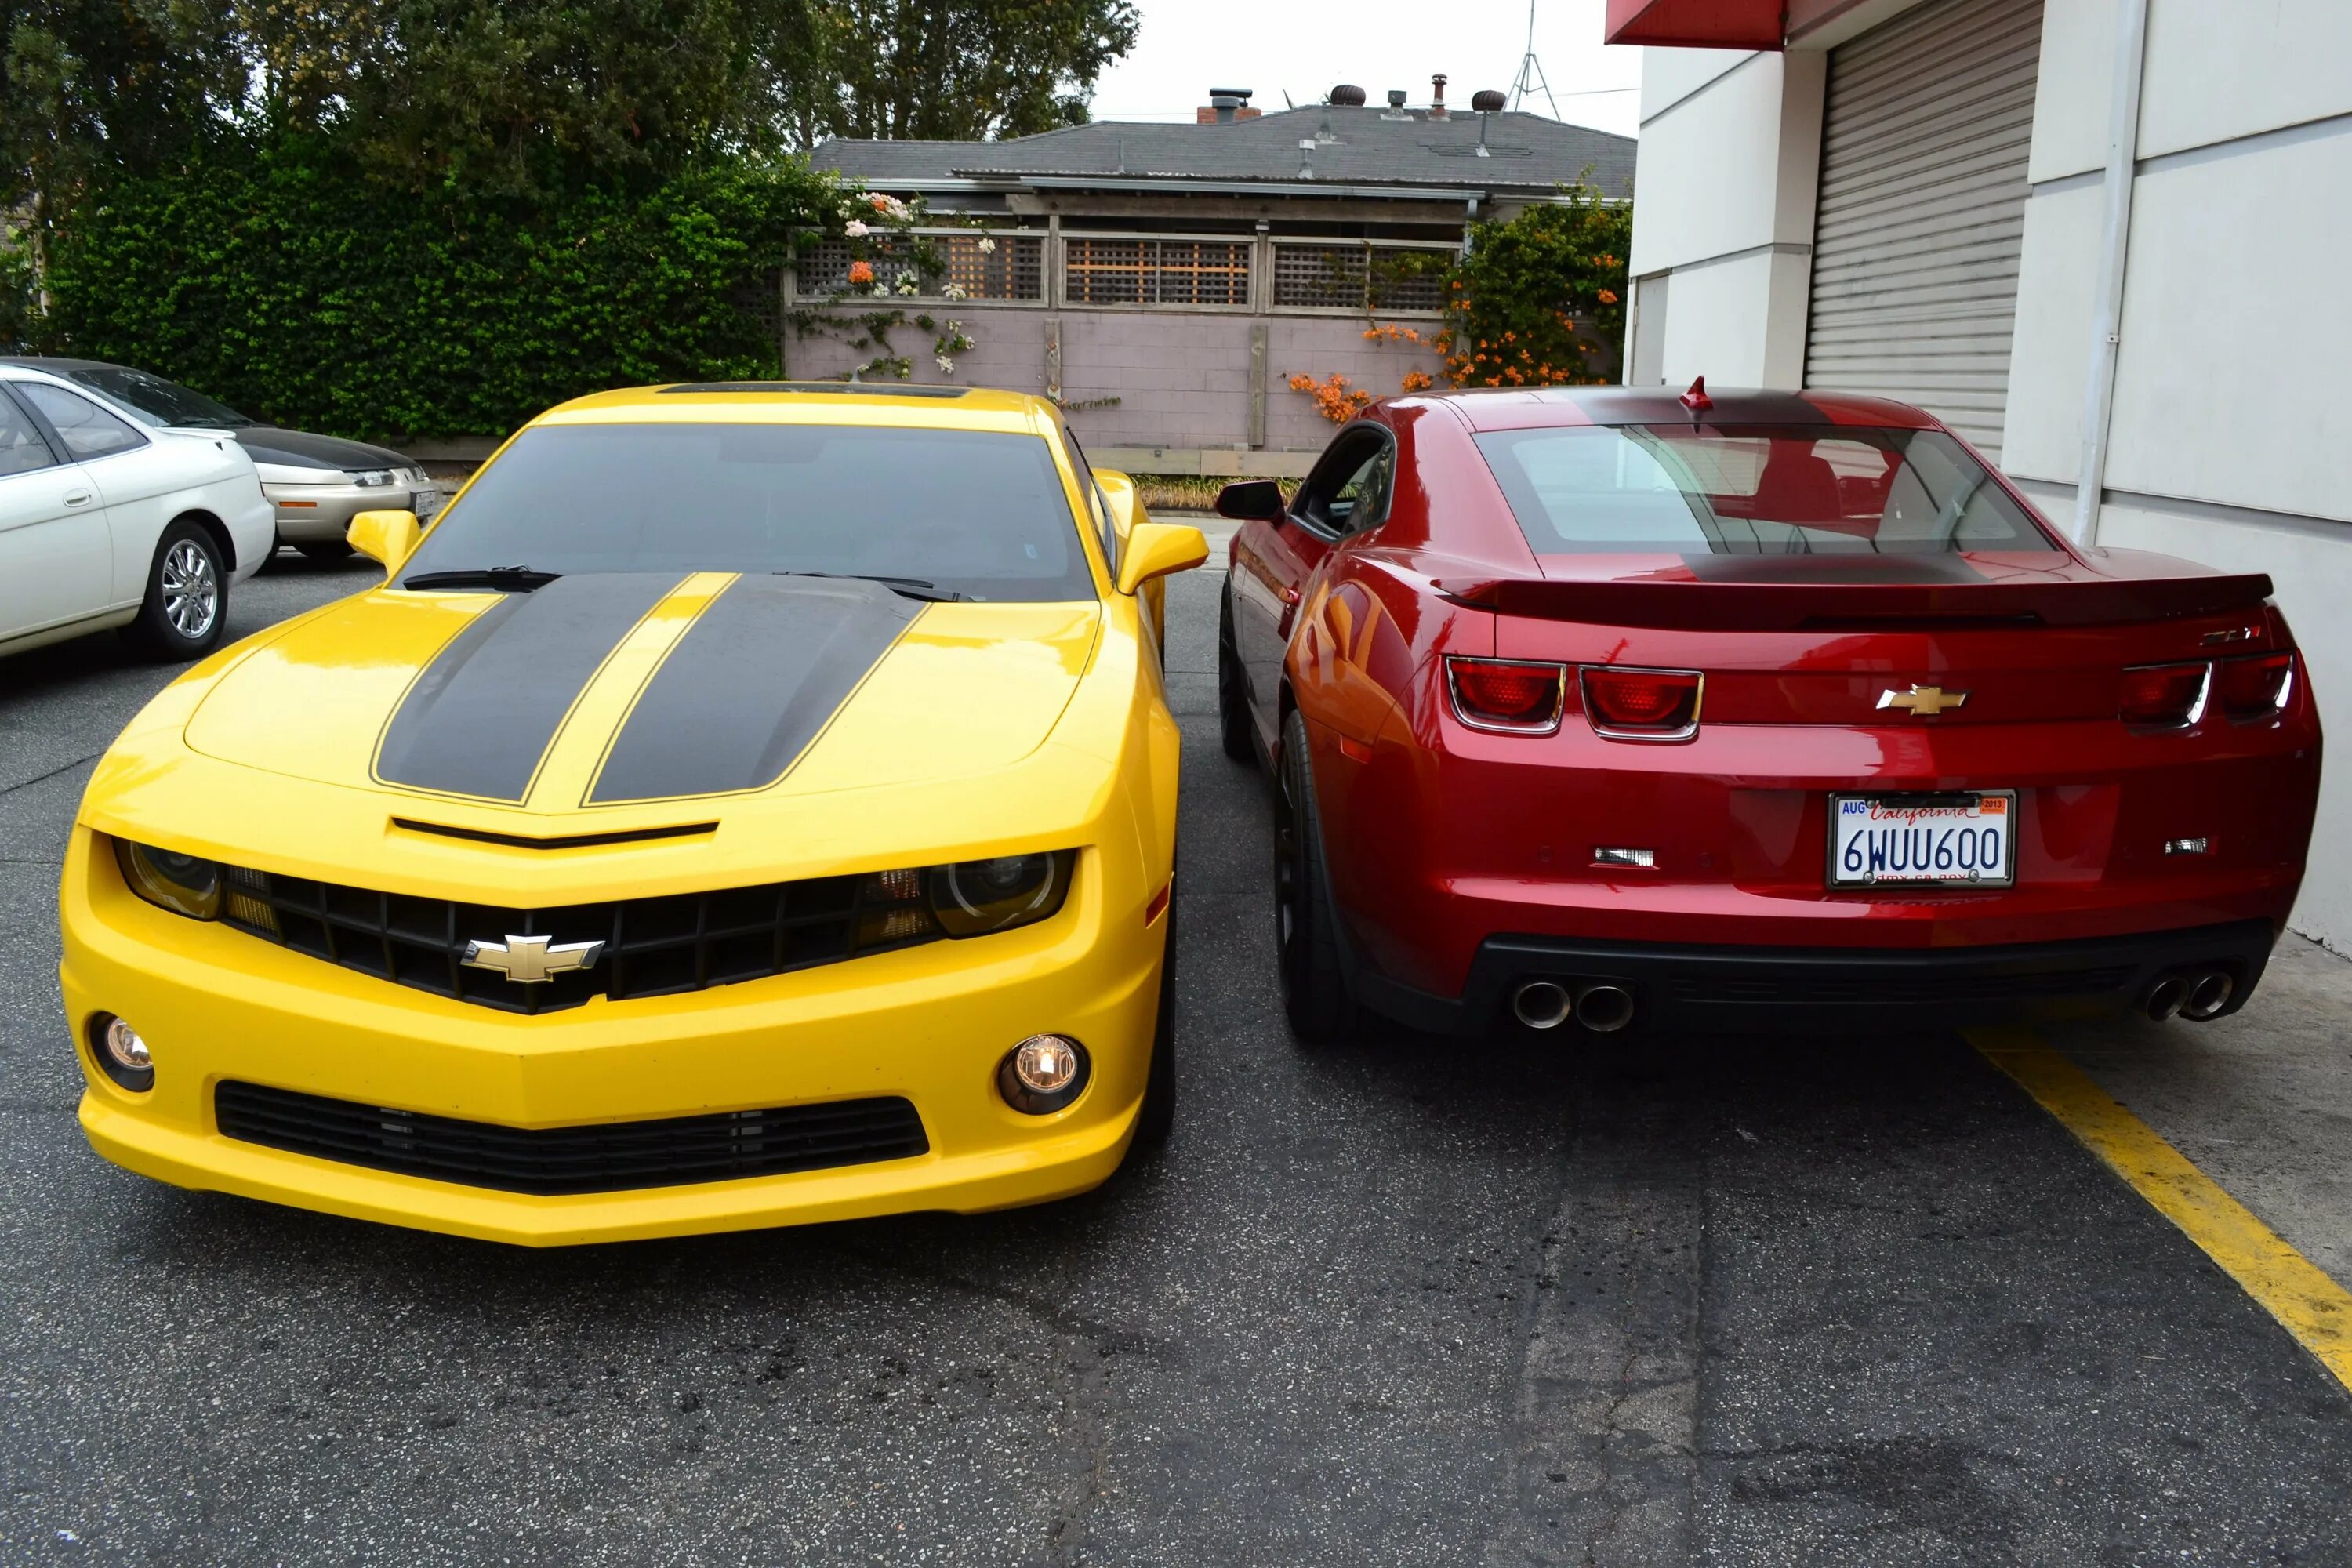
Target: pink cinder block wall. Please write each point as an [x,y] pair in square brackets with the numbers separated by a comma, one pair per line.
[1180,378]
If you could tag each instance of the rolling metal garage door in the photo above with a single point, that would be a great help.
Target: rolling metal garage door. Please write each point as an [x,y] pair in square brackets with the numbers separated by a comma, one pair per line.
[1923,141]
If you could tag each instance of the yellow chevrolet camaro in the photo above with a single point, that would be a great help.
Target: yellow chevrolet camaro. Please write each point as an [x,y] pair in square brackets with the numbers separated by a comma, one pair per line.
[750,803]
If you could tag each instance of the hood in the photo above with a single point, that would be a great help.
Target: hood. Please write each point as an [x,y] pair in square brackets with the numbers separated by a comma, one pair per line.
[301,450]
[636,693]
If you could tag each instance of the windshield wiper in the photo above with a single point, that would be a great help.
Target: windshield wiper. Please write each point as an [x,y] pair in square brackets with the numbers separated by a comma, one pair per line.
[505,579]
[911,587]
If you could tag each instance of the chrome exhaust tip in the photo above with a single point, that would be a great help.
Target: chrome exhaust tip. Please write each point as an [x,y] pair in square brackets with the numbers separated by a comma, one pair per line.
[1604,1009]
[1540,1005]
[2163,998]
[2208,995]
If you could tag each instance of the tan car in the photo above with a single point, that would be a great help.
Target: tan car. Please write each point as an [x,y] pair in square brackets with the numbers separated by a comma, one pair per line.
[317,483]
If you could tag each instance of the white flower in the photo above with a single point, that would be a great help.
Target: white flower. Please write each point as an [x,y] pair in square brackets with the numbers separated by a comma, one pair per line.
[987,246]
[946,364]
[855,230]
[955,291]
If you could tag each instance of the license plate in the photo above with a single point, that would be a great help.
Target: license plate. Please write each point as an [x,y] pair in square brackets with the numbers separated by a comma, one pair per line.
[1968,840]
[424,503]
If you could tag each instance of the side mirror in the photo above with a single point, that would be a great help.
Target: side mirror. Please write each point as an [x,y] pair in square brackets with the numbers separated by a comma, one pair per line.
[1118,490]
[389,537]
[1156,549]
[1251,501]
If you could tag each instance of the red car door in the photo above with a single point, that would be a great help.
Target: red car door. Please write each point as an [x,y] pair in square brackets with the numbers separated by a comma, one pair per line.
[1275,563]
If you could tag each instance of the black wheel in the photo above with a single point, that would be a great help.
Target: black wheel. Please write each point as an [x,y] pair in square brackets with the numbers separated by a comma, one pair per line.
[1232,688]
[325,549]
[1315,994]
[1153,1122]
[187,596]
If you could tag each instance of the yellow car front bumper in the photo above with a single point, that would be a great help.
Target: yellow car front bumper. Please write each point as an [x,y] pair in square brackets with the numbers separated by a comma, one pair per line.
[929,1023]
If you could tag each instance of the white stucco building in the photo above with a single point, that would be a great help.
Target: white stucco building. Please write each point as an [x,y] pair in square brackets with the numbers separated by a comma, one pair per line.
[1917,198]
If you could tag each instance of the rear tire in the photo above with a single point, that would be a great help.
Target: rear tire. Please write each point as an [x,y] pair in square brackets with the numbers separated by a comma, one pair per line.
[1157,1119]
[1316,997]
[325,549]
[186,604]
[1235,729]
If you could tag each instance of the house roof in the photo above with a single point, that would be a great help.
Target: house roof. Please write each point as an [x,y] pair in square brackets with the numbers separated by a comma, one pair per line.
[1527,153]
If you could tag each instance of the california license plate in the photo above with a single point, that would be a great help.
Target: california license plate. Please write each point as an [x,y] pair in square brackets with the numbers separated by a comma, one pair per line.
[1969,839]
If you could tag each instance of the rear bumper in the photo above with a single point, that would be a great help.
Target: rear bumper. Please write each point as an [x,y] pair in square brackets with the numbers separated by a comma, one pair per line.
[1752,989]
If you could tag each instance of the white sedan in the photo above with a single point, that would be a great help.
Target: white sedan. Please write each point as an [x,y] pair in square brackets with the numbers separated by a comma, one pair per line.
[106,523]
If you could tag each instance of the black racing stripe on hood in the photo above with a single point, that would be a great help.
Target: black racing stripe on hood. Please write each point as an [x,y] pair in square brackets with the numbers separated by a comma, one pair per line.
[481,715]
[748,685]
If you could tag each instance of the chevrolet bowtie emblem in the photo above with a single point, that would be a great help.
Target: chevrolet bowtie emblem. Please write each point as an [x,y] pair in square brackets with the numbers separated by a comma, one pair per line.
[1925,700]
[533,960]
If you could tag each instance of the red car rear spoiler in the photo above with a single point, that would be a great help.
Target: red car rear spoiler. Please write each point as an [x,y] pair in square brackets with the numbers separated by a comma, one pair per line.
[1829,606]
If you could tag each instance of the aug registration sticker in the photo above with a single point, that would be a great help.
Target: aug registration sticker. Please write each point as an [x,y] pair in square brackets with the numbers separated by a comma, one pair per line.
[1968,839]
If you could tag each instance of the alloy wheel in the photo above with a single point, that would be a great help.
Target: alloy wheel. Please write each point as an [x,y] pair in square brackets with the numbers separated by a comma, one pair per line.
[191,590]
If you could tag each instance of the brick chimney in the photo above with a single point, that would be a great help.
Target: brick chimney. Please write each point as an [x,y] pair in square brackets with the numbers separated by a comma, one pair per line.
[1437,96]
[1226,105]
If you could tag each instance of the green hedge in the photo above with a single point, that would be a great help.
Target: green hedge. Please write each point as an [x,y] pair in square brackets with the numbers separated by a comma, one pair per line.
[282,280]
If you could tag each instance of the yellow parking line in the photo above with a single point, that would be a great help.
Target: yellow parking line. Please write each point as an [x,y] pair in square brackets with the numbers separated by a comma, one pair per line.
[2308,1304]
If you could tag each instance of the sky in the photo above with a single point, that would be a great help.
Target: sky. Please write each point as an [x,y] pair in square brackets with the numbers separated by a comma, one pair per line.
[1304,46]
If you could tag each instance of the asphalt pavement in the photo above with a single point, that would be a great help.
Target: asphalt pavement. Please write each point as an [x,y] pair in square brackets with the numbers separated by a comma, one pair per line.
[1533,1300]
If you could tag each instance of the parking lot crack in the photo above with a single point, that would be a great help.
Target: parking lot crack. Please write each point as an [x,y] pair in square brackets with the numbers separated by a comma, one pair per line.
[61,768]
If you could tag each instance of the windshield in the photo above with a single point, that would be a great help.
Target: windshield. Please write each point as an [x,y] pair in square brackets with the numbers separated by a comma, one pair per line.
[166,402]
[974,513]
[1752,489]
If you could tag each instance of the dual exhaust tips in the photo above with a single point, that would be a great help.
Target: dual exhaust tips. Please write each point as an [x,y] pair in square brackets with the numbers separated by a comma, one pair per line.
[1599,1006]
[2197,995]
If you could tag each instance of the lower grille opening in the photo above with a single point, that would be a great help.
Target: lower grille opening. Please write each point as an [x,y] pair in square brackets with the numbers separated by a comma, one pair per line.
[608,1157]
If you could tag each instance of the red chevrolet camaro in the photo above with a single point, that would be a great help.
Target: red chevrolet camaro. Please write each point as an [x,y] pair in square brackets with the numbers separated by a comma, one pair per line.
[1607,705]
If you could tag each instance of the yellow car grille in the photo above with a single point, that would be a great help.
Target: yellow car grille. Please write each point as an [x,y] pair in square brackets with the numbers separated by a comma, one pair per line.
[649,947]
[604,1157]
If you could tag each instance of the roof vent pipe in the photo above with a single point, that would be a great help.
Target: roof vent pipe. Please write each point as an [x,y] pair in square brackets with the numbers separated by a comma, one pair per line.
[1486,102]
[1395,111]
[1437,96]
[1346,95]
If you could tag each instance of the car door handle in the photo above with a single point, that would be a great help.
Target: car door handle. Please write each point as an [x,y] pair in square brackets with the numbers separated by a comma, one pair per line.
[79,498]
[1289,597]
[1289,612]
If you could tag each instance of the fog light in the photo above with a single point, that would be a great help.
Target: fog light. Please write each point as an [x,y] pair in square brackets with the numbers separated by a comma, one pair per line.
[1042,1074]
[2188,846]
[122,1053]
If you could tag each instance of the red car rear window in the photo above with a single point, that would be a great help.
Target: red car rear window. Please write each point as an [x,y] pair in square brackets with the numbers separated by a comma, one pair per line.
[1752,489]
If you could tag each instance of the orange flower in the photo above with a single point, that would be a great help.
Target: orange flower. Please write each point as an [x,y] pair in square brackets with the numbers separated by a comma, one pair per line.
[1417,380]
[1607,296]
[861,272]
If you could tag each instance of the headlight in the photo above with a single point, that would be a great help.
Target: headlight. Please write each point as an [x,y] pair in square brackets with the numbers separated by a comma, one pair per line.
[181,883]
[970,898]
[374,478]
[974,897]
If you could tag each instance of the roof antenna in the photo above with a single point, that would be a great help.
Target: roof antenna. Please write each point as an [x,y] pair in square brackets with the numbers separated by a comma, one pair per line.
[1695,399]
[1531,76]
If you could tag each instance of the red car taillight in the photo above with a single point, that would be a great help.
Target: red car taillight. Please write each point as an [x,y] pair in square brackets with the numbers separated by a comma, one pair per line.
[2254,687]
[1515,696]
[1643,704]
[2166,696]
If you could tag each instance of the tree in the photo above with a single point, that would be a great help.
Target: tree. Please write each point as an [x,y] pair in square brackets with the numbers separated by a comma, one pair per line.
[944,70]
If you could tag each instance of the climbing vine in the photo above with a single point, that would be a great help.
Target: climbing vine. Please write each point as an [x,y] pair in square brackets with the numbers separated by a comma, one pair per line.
[1536,301]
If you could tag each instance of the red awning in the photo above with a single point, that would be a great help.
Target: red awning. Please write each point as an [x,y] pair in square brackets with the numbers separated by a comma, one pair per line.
[1696,24]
